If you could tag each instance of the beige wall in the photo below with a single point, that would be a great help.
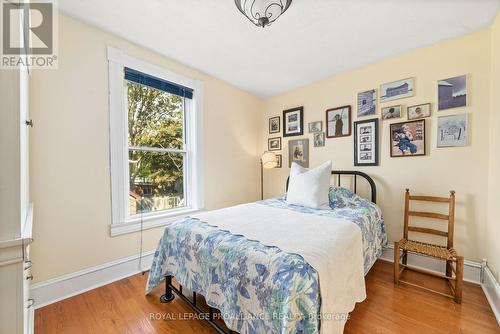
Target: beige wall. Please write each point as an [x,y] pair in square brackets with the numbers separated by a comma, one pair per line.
[70,182]
[493,225]
[464,169]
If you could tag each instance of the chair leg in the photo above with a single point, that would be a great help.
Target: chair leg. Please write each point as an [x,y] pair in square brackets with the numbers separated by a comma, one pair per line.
[459,279]
[404,258]
[396,262]
[449,272]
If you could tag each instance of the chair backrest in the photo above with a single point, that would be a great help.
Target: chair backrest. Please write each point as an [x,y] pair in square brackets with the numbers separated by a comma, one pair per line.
[450,217]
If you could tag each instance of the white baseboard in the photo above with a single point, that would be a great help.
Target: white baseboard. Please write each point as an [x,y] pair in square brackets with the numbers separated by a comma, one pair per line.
[491,289]
[472,270]
[62,287]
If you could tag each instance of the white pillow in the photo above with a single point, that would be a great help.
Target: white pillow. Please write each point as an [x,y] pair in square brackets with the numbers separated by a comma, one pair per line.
[309,188]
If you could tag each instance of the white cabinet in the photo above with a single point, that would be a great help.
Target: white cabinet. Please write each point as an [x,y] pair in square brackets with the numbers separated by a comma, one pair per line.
[16,311]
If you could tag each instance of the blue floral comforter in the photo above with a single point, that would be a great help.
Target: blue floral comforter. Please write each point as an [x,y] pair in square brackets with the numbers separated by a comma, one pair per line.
[257,288]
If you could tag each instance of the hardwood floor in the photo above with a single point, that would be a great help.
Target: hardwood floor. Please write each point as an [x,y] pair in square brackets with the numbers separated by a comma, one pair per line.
[122,307]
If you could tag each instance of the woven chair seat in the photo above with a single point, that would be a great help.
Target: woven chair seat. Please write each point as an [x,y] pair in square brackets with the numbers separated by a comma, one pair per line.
[428,249]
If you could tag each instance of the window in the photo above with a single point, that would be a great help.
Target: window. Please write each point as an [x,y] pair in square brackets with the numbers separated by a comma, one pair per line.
[157,153]
[155,149]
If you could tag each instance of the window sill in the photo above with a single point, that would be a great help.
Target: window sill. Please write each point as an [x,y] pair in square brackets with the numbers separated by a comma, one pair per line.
[150,222]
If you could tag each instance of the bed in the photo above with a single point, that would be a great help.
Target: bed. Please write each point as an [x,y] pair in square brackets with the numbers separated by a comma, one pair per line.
[270,267]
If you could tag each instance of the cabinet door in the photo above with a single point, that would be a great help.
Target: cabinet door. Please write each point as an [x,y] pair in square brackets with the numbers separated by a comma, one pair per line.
[10,146]
[14,194]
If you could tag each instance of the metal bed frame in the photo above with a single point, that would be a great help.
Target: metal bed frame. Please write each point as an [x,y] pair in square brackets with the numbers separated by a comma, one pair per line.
[170,289]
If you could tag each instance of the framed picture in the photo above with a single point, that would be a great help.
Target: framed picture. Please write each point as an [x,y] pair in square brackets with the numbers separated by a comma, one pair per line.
[319,139]
[315,126]
[367,103]
[293,122]
[391,112]
[274,144]
[407,138]
[452,93]
[396,90]
[298,152]
[274,124]
[452,131]
[419,111]
[366,143]
[338,122]
[279,157]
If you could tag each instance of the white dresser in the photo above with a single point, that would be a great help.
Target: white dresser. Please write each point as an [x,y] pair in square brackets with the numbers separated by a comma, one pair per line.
[16,306]
[16,213]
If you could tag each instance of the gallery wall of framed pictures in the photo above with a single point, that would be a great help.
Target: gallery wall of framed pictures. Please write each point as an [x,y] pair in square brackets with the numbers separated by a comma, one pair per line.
[274,143]
[293,125]
[405,123]
[408,138]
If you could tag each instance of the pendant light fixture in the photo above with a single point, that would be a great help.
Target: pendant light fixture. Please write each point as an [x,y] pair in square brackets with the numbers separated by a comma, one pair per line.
[262,12]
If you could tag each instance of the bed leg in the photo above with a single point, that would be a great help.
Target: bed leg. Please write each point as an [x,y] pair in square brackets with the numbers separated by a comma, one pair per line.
[168,296]
[211,314]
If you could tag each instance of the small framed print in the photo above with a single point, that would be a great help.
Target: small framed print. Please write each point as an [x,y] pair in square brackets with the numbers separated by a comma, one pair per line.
[367,103]
[338,122]
[274,125]
[366,143]
[391,112]
[274,144]
[279,158]
[293,122]
[452,92]
[298,152]
[419,111]
[315,127]
[452,131]
[407,138]
[319,139]
[396,90]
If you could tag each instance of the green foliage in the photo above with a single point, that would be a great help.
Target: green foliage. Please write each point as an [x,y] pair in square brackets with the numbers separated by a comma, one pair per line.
[155,119]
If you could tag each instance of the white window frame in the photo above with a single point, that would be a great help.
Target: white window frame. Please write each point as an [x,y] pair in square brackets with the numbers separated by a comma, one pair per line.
[122,222]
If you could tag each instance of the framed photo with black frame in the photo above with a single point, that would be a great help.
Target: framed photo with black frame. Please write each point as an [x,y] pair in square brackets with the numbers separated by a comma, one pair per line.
[274,144]
[366,152]
[274,125]
[279,158]
[293,122]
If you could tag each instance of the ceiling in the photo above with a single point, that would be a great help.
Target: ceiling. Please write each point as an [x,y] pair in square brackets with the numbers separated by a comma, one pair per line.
[313,40]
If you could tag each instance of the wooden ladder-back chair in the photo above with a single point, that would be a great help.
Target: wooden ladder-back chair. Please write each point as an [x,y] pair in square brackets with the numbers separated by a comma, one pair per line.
[447,253]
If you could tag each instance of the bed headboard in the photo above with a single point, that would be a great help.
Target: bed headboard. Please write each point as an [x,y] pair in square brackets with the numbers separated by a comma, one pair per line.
[355,174]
